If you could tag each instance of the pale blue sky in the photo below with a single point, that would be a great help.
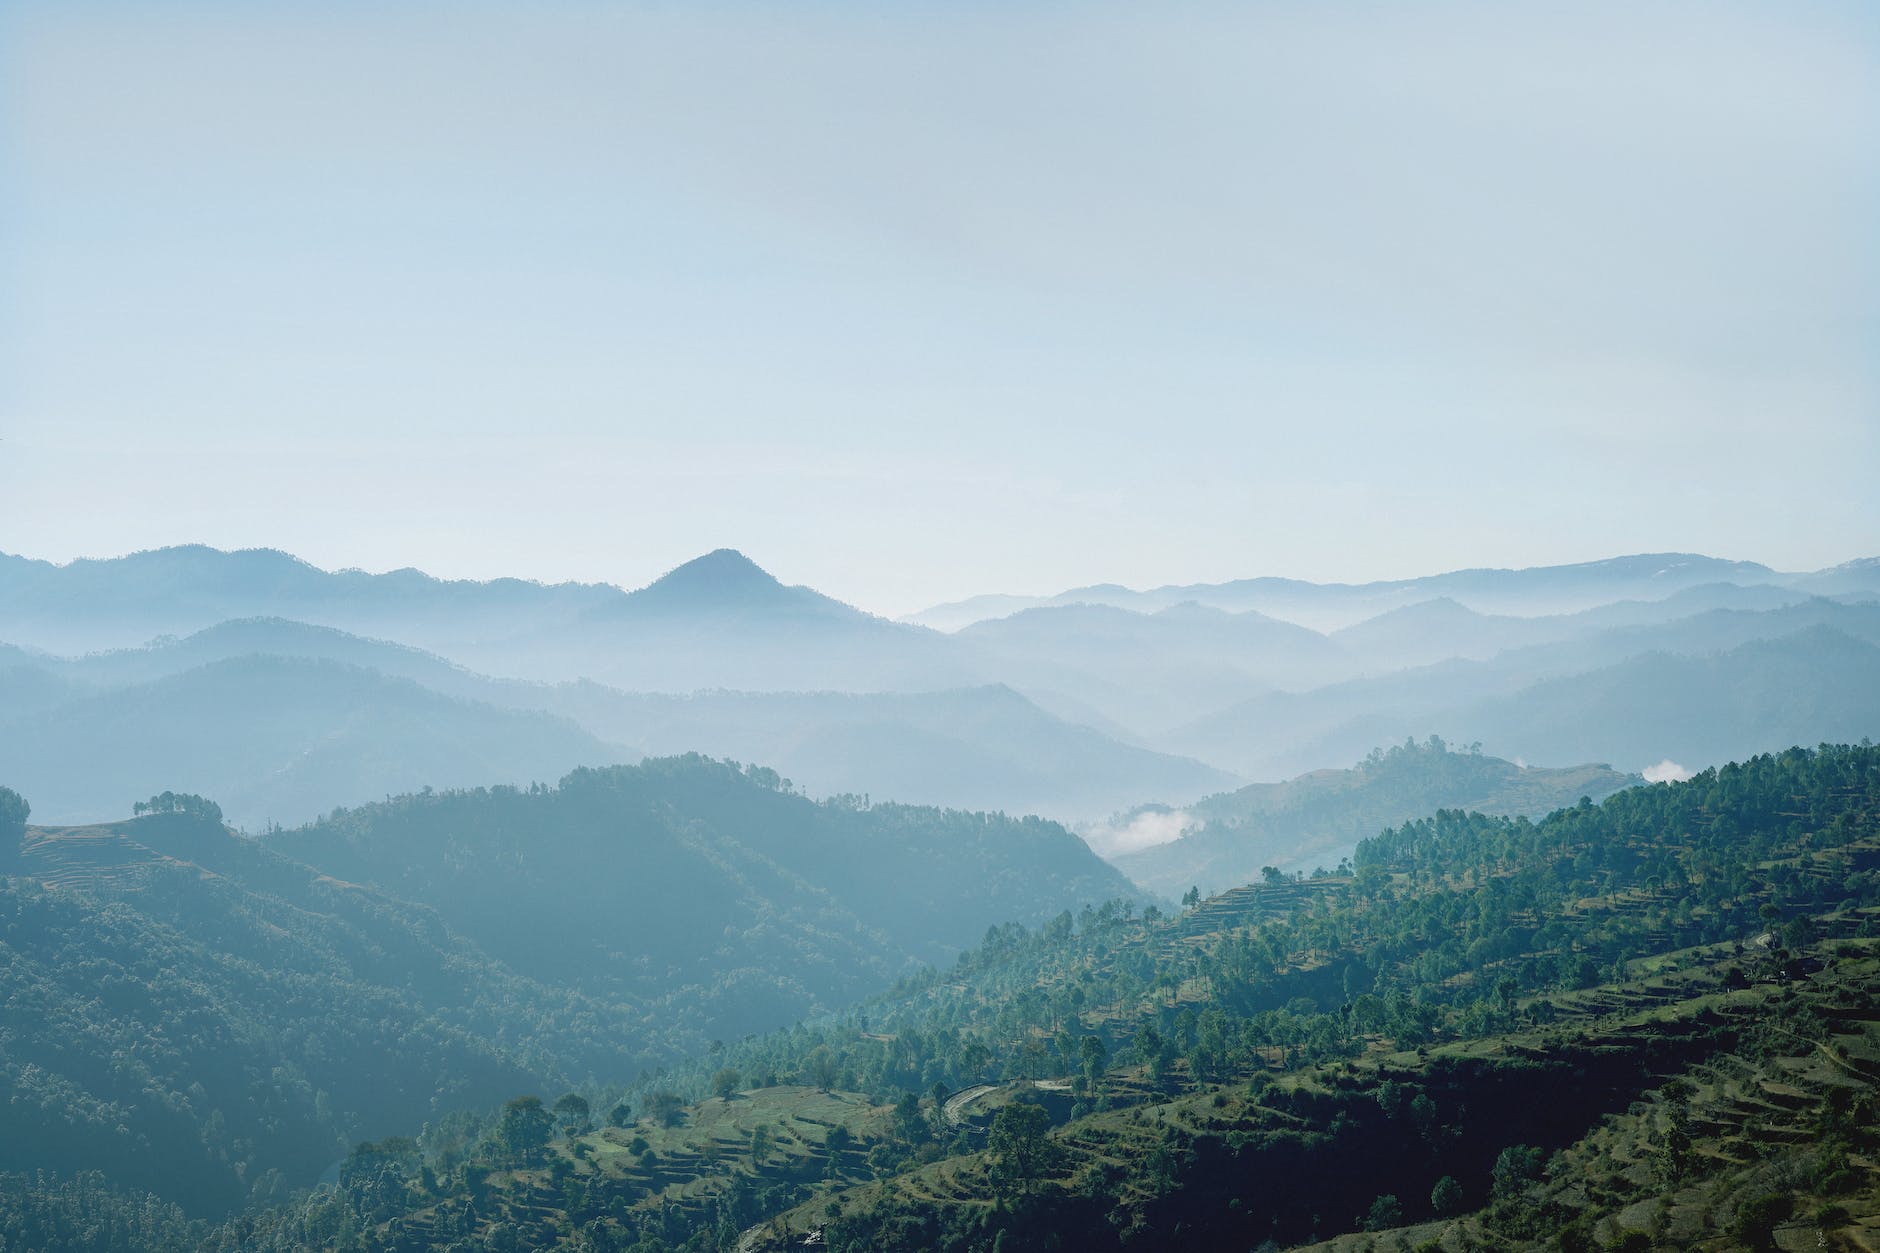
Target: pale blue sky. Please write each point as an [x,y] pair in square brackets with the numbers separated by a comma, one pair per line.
[910,301]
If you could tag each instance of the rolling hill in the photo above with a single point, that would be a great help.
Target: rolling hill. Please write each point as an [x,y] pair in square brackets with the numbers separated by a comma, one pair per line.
[1318,819]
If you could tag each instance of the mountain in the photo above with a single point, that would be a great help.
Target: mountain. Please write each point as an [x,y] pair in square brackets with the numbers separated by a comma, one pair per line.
[1283,733]
[1814,684]
[985,748]
[1535,591]
[1650,1013]
[209,1018]
[117,602]
[978,748]
[276,637]
[726,582]
[199,1017]
[1319,818]
[722,622]
[273,739]
[712,890]
[1150,671]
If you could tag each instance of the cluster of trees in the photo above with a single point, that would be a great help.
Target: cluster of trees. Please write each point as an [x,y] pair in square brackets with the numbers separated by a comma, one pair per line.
[14,811]
[186,803]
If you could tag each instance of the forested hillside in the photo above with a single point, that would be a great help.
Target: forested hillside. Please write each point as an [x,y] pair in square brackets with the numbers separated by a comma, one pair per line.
[714,891]
[198,1015]
[1688,970]
[195,1015]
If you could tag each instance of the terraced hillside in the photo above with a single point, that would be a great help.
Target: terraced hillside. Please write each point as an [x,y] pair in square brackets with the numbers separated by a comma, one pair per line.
[1635,1021]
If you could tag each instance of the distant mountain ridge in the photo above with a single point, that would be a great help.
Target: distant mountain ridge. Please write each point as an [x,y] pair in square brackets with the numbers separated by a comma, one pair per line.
[1532,590]
[1110,699]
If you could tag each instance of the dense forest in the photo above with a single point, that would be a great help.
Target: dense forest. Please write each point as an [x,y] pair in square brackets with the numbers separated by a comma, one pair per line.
[201,1016]
[1349,1058]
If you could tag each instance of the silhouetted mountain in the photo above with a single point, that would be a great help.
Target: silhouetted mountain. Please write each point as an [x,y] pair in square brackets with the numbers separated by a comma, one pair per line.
[972,748]
[1538,590]
[275,739]
[1817,683]
[1277,734]
[118,602]
[1148,671]
[721,582]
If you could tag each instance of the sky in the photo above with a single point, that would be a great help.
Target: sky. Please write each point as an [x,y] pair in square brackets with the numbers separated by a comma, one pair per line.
[913,301]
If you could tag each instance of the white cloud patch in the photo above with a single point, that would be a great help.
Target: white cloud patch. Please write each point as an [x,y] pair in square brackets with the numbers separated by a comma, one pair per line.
[1666,771]
[1144,830]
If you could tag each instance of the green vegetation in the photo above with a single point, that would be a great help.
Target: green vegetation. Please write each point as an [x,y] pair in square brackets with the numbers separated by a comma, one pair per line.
[201,1018]
[1648,1020]
[1317,818]
[710,897]
[14,811]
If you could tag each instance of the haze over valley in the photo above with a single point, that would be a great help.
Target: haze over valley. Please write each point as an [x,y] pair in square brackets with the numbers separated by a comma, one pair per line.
[1022,628]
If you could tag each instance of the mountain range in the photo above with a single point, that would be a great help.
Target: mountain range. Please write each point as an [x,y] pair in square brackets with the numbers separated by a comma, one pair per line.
[1079,706]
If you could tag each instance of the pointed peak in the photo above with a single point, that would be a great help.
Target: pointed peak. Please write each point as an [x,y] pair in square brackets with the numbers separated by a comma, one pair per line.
[720,569]
[724,580]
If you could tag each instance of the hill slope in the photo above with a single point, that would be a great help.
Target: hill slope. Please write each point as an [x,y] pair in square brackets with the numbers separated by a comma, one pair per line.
[1318,818]
[200,1017]
[706,889]
[275,739]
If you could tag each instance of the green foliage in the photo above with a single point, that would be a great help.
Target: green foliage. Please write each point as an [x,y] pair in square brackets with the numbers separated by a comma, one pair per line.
[1757,1216]
[663,1107]
[14,811]
[573,1115]
[1385,1212]
[699,894]
[1021,1152]
[524,1129]
[186,803]
[1515,1168]
[1446,1197]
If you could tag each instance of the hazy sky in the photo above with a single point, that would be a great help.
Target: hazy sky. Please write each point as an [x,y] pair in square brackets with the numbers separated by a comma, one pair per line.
[910,301]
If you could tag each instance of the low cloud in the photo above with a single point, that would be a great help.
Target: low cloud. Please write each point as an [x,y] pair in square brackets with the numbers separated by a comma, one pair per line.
[1144,830]
[1666,771]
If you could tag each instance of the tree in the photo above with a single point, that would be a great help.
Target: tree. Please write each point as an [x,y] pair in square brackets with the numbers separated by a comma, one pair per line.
[1021,1152]
[664,1107]
[525,1126]
[186,803]
[1518,1166]
[14,811]
[1191,898]
[573,1115]
[1446,1197]
[819,1068]
[620,1115]
[725,1083]
[1386,1212]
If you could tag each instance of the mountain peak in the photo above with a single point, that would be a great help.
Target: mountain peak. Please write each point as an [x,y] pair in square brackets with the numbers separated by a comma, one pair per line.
[721,570]
[723,579]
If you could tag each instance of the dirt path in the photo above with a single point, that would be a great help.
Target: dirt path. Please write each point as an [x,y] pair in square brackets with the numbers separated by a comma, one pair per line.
[954,1111]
